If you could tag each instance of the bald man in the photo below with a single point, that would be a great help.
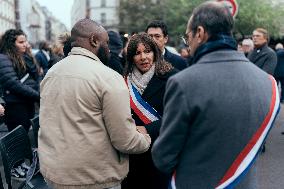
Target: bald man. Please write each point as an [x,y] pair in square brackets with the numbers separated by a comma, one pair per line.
[85,118]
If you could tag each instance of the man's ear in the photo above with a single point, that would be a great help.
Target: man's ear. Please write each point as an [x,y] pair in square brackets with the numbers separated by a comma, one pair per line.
[166,38]
[201,34]
[93,41]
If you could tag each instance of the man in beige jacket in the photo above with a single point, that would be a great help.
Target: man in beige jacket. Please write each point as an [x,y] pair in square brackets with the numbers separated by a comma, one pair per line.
[86,126]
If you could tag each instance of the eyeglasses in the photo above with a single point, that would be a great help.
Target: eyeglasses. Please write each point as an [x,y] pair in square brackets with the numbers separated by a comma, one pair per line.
[184,40]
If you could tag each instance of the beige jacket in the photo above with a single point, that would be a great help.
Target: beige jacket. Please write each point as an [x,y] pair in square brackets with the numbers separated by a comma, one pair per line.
[86,128]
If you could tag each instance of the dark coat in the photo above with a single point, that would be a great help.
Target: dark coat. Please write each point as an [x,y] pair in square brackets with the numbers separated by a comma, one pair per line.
[206,121]
[34,79]
[142,172]
[14,90]
[279,70]
[42,61]
[54,58]
[265,58]
[115,62]
[177,61]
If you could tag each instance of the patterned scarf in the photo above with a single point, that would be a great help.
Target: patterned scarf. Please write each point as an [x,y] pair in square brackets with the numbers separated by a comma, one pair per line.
[139,80]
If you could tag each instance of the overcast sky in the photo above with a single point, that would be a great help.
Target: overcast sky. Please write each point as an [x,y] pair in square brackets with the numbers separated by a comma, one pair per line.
[61,9]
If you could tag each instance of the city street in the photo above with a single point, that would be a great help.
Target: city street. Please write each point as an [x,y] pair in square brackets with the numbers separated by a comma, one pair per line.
[271,162]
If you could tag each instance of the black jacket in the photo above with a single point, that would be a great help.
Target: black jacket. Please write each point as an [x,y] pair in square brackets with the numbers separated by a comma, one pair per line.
[177,61]
[279,70]
[14,90]
[141,166]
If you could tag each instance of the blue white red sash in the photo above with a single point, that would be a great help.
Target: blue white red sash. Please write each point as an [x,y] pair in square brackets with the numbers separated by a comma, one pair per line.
[247,156]
[142,109]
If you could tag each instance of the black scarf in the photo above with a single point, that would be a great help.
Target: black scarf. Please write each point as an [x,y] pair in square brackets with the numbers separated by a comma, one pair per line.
[216,42]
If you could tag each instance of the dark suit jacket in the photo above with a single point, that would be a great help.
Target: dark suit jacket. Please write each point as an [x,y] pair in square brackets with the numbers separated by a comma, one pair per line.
[141,166]
[265,58]
[177,61]
[279,70]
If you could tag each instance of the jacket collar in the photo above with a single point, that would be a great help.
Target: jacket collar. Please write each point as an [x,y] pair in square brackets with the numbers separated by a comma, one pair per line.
[215,42]
[84,52]
[223,55]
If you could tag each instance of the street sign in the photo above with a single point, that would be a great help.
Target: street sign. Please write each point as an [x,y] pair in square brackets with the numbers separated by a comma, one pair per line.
[232,5]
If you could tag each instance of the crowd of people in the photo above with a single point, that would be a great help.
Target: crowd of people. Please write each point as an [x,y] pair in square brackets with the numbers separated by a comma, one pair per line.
[128,114]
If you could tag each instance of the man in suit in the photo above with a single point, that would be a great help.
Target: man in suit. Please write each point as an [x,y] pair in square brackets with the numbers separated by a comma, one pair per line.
[158,30]
[279,70]
[262,55]
[211,134]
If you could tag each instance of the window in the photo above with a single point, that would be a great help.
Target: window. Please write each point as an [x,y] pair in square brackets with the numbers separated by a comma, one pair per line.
[103,3]
[103,18]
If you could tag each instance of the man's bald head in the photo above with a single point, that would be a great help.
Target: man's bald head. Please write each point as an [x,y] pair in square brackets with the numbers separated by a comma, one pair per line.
[90,35]
[85,28]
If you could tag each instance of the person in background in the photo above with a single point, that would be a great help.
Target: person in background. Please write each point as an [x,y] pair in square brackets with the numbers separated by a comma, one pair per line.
[43,57]
[125,41]
[262,55]
[56,54]
[239,48]
[211,134]
[146,76]
[33,67]
[2,110]
[17,81]
[20,90]
[279,70]
[158,30]
[86,130]
[247,46]
[65,40]
[116,50]
[184,52]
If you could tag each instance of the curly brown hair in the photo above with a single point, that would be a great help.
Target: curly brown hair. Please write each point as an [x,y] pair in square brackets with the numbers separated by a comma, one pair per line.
[161,66]
[8,47]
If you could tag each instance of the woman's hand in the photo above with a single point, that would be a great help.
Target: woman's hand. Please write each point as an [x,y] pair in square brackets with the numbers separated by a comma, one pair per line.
[2,110]
[141,129]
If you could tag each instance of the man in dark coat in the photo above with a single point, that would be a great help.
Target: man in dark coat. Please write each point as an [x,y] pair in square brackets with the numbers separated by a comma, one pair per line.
[115,46]
[211,134]
[262,55]
[159,32]
[279,70]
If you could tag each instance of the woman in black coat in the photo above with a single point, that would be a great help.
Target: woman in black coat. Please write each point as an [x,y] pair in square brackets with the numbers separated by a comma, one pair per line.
[146,76]
[16,80]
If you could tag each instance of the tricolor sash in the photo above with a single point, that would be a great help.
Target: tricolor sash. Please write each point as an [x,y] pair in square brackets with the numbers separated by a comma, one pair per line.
[142,109]
[248,155]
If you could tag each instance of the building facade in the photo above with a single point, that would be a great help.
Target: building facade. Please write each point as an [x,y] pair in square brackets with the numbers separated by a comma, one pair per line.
[102,11]
[7,15]
[32,20]
[38,22]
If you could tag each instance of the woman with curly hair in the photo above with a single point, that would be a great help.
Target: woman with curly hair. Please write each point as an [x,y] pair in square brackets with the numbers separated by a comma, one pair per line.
[16,80]
[146,76]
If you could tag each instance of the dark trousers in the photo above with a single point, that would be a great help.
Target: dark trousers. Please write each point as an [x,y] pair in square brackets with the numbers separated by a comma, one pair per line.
[281,80]
[18,113]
